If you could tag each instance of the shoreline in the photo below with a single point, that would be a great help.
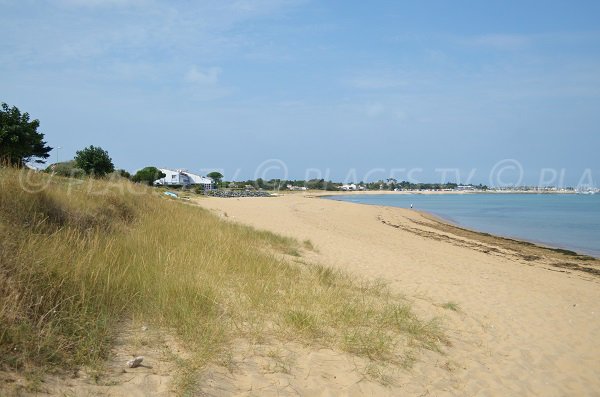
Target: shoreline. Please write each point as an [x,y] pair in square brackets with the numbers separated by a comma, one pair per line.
[441,219]
[425,192]
[538,244]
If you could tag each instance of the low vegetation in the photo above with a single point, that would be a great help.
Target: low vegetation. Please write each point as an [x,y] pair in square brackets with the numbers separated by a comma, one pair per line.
[451,306]
[77,258]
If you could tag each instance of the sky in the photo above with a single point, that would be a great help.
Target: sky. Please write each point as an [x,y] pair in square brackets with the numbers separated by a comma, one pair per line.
[492,92]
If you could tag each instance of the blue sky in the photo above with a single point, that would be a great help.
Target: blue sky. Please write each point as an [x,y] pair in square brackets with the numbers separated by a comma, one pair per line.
[336,89]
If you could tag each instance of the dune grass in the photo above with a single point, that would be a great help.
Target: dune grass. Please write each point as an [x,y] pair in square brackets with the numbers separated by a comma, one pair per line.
[455,307]
[77,259]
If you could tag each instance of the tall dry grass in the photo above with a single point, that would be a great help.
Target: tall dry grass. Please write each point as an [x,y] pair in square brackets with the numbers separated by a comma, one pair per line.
[76,259]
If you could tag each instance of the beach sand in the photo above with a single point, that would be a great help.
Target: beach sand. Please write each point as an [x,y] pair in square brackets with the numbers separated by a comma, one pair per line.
[527,323]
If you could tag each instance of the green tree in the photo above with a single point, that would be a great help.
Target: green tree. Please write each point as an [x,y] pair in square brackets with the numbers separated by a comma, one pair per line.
[148,175]
[20,141]
[94,161]
[215,176]
[123,173]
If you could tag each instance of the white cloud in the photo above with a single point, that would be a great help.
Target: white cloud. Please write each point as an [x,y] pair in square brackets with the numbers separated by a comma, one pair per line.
[204,84]
[208,76]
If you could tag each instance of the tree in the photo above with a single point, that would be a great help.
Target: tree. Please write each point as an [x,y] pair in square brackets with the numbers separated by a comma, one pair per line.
[123,173]
[148,175]
[20,141]
[94,161]
[215,176]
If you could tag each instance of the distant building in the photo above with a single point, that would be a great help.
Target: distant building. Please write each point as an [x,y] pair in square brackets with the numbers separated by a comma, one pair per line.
[351,186]
[183,178]
[292,187]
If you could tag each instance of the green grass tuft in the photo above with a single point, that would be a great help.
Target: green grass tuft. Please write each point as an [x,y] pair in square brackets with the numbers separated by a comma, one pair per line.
[308,245]
[451,306]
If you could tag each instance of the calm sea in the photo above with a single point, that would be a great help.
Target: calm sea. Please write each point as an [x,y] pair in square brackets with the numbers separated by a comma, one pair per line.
[570,221]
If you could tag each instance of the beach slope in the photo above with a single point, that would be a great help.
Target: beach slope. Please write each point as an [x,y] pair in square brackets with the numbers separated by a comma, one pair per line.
[522,319]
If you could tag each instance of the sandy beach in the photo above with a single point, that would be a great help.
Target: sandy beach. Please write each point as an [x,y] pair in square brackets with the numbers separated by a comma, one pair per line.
[527,318]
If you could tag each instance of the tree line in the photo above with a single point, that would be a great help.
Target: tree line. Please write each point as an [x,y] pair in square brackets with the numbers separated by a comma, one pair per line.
[322,184]
[22,143]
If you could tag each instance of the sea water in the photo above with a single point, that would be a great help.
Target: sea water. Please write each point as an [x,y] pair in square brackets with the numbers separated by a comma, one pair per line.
[569,221]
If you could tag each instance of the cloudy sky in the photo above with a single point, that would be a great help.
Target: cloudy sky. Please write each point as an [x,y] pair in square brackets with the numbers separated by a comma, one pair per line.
[335,89]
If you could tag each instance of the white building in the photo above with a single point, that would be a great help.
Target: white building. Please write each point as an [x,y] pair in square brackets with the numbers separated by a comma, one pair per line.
[351,186]
[183,178]
[291,187]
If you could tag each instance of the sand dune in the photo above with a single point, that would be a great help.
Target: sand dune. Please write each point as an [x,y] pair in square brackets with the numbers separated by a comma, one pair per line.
[524,324]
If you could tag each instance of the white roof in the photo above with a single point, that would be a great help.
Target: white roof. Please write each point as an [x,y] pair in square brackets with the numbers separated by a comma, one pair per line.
[196,179]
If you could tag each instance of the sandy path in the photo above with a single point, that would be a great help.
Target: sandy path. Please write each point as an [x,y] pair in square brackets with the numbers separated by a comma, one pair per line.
[522,329]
